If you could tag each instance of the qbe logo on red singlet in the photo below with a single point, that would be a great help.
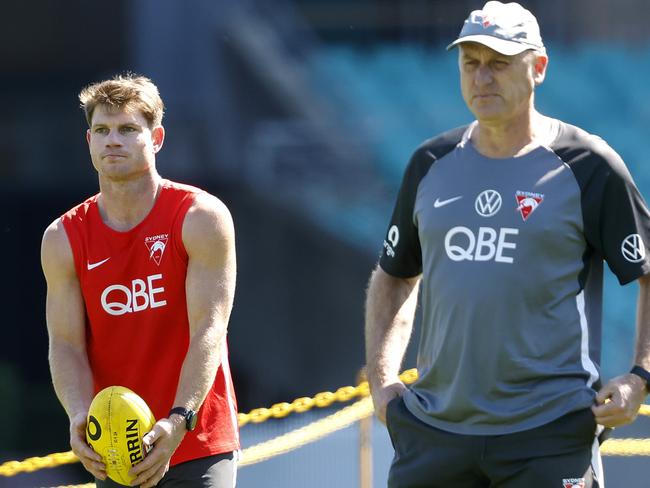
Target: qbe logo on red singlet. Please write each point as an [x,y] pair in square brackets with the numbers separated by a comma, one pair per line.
[137,296]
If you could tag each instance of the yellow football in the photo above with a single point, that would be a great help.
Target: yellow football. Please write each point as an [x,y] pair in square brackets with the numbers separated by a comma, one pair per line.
[117,420]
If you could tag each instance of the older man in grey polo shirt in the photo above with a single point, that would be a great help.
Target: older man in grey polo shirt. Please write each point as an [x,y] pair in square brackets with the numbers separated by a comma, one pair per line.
[506,223]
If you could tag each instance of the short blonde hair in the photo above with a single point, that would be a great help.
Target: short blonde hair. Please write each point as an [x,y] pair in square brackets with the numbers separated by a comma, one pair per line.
[127,91]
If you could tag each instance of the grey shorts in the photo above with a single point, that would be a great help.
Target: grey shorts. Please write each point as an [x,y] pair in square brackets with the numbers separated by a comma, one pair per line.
[562,453]
[218,471]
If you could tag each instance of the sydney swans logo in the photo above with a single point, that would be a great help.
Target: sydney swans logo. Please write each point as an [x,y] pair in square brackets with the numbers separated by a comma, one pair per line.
[156,246]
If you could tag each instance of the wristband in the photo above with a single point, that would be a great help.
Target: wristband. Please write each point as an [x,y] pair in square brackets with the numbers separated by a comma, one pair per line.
[644,374]
[188,414]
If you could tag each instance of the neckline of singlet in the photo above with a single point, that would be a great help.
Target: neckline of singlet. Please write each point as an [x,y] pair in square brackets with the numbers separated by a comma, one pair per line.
[124,233]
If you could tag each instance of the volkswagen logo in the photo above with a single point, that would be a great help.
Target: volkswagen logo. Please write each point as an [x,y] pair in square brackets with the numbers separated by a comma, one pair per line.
[488,203]
[633,248]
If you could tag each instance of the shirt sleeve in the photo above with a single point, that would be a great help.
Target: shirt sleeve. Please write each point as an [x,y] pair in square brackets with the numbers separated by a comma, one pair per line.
[401,255]
[619,224]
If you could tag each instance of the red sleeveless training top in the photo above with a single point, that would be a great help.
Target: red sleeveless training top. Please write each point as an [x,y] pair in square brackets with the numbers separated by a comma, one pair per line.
[137,331]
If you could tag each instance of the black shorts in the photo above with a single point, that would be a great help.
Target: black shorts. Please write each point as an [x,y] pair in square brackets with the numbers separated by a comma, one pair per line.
[218,471]
[561,454]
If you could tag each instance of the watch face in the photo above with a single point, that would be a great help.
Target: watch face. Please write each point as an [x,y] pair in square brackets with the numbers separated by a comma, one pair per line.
[191,420]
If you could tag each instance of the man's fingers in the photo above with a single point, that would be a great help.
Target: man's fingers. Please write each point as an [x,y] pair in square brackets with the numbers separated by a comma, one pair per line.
[145,469]
[149,439]
[606,409]
[144,476]
[87,452]
[612,421]
[613,414]
[604,394]
[83,450]
[96,465]
[383,396]
[146,473]
[380,409]
[96,468]
[151,459]
[91,461]
[155,479]
[143,466]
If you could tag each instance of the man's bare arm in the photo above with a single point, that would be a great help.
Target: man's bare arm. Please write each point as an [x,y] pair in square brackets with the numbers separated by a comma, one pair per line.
[209,238]
[618,402]
[65,315]
[390,310]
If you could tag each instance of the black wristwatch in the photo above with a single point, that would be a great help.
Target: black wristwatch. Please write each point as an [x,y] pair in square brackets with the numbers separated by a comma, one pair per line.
[188,414]
[644,374]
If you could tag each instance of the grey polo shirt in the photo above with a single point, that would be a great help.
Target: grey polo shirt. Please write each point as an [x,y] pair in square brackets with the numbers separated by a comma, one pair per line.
[511,254]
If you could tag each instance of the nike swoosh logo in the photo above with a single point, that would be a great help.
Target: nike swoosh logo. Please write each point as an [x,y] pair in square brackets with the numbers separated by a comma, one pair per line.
[98,263]
[441,203]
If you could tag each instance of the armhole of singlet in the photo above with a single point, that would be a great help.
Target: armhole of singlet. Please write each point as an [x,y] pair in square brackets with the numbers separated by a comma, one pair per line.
[75,242]
[177,226]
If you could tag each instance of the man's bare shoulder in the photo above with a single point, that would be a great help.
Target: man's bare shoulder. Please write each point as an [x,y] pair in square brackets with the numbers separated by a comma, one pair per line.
[207,220]
[55,237]
[56,253]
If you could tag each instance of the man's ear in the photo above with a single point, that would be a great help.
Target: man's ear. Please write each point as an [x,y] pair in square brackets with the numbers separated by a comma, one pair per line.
[539,68]
[158,137]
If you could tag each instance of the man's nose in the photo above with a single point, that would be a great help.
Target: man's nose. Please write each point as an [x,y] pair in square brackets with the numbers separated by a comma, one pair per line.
[483,75]
[113,138]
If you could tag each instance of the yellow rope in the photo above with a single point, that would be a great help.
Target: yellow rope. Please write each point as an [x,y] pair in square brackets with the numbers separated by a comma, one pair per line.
[11,468]
[311,432]
[303,404]
[626,447]
[320,400]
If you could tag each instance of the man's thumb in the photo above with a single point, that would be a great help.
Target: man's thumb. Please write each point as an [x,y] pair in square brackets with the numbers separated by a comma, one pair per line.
[149,439]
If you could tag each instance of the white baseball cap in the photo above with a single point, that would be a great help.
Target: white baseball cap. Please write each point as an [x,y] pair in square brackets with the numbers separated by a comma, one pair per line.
[507,28]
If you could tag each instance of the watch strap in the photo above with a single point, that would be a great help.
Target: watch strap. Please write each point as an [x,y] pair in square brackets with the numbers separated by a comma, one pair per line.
[182,411]
[642,373]
[188,414]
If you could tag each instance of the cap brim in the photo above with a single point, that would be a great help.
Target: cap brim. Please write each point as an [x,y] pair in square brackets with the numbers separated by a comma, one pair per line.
[509,48]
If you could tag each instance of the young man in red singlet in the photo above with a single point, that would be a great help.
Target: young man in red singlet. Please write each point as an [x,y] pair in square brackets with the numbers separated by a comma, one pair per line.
[140,285]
